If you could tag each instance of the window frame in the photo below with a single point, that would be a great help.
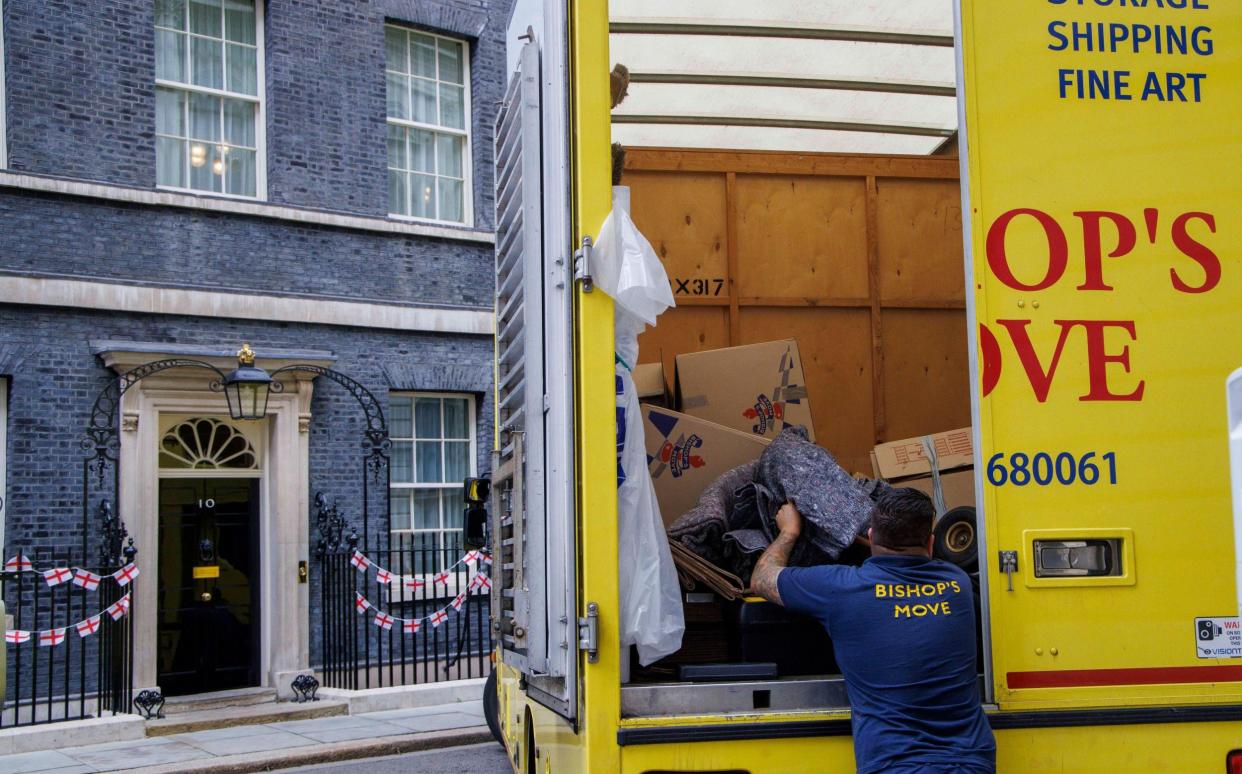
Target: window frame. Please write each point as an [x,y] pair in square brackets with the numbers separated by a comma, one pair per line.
[259,98]
[473,431]
[467,133]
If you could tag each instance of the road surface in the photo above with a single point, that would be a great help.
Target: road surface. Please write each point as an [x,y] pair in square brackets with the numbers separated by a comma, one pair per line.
[472,759]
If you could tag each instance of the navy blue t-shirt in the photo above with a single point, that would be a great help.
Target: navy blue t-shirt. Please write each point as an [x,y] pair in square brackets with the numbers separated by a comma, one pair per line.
[903,628]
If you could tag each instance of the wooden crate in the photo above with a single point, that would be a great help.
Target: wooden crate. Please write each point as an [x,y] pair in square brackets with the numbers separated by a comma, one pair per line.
[857,257]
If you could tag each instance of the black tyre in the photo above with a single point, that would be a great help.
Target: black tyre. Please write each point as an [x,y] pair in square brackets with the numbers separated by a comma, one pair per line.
[956,538]
[491,708]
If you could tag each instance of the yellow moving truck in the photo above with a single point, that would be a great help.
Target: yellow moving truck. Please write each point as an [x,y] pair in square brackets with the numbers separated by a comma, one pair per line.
[1100,157]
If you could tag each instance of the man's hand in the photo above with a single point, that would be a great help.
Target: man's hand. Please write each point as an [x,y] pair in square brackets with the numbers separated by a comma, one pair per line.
[789,521]
[776,557]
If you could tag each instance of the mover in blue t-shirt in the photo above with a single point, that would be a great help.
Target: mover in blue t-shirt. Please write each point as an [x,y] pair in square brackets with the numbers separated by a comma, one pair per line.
[903,630]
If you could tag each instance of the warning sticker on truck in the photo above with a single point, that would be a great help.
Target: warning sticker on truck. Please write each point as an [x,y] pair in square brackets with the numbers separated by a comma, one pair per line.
[1218,637]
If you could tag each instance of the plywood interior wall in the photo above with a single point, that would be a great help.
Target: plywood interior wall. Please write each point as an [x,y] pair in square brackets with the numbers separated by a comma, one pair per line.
[859,258]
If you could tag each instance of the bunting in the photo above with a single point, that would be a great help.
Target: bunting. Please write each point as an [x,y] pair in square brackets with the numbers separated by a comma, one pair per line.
[412,625]
[54,576]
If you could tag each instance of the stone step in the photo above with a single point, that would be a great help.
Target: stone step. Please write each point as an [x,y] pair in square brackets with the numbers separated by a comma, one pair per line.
[242,697]
[229,716]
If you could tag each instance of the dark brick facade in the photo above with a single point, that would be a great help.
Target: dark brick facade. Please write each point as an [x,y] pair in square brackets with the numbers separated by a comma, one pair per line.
[80,98]
[55,378]
[176,247]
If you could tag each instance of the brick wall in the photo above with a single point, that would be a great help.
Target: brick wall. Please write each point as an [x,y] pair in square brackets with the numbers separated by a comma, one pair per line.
[54,380]
[52,234]
[81,93]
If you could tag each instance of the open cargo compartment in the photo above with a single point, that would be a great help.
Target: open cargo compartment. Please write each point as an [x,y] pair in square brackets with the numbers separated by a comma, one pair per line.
[856,252]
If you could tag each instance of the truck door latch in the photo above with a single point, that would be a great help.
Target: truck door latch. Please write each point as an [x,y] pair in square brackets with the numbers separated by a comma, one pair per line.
[1009,565]
[582,265]
[588,633]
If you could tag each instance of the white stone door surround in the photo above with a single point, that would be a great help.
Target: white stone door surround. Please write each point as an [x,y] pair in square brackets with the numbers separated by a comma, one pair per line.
[283,500]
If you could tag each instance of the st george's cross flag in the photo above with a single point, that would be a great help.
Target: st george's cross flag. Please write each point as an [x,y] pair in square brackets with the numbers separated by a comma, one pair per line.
[118,609]
[360,561]
[16,636]
[126,574]
[383,620]
[458,600]
[360,603]
[51,637]
[18,563]
[383,576]
[441,577]
[57,575]
[480,581]
[411,627]
[413,583]
[437,618]
[88,627]
[470,556]
[85,578]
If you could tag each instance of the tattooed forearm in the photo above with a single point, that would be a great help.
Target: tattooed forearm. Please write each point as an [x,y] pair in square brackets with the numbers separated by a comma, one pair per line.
[769,566]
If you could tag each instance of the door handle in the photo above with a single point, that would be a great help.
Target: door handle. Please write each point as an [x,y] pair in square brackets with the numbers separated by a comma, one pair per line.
[205,596]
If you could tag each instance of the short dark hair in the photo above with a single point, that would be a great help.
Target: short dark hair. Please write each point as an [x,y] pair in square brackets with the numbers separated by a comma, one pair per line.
[902,518]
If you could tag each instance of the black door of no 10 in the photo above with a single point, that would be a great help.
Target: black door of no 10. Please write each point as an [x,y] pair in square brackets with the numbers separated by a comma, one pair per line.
[208,585]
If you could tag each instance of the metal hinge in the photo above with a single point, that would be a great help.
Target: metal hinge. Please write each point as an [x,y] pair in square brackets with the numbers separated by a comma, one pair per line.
[588,633]
[582,265]
[1009,565]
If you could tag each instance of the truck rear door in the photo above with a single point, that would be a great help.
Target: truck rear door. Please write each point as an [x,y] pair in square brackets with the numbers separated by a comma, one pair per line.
[533,504]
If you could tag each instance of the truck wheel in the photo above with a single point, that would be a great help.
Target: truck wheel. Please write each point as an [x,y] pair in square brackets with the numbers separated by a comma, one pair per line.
[491,708]
[956,540]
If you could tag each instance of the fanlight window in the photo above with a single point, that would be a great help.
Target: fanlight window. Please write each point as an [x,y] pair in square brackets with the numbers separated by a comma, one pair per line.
[203,443]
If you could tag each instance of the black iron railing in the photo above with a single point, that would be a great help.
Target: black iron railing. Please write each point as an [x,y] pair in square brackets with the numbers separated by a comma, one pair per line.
[67,677]
[357,654]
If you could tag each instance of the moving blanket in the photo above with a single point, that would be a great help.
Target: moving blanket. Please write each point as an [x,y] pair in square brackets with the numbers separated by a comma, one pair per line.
[735,518]
[834,506]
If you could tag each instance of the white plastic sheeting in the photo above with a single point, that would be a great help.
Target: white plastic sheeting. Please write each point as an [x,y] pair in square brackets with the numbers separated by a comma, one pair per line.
[885,120]
[628,270]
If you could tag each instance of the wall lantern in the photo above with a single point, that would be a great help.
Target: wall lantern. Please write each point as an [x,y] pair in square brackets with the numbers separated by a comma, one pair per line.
[246,388]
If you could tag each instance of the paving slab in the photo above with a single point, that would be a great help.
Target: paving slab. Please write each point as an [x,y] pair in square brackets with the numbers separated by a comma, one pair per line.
[46,760]
[218,734]
[323,724]
[134,757]
[439,722]
[466,707]
[374,730]
[265,746]
[272,740]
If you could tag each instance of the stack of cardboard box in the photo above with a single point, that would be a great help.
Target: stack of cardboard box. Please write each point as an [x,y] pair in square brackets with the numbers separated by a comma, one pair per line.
[908,463]
[722,409]
[731,404]
[726,405]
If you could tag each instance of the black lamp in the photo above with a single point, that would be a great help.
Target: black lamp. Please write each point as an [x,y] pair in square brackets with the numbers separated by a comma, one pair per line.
[246,388]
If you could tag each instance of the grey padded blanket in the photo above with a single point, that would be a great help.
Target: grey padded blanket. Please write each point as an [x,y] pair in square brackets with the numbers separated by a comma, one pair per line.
[702,528]
[735,518]
[834,506]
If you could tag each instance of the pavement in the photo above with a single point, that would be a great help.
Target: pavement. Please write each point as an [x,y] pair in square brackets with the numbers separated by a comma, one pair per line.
[268,746]
[475,759]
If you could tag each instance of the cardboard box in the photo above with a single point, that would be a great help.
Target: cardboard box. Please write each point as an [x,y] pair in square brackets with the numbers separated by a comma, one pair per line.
[758,388]
[908,457]
[958,487]
[649,381]
[685,454]
[905,463]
